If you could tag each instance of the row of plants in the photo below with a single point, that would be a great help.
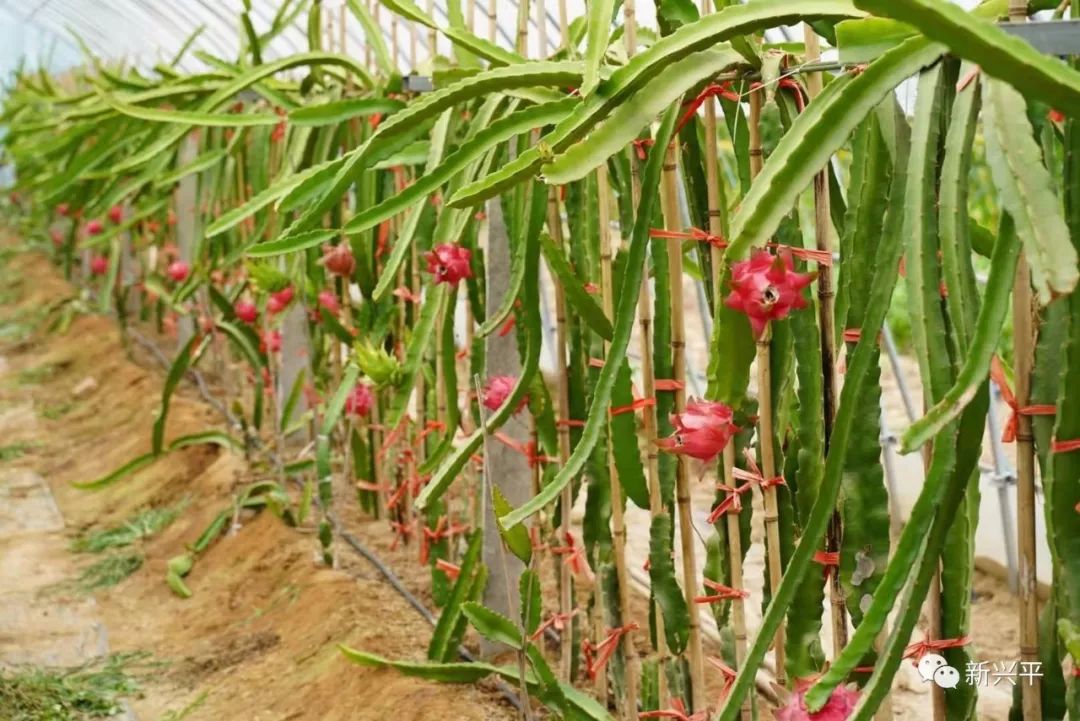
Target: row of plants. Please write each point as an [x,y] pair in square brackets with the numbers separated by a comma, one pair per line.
[267,210]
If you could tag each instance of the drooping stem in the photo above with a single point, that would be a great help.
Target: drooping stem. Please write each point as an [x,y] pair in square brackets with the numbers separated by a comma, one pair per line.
[695,657]
[628,704]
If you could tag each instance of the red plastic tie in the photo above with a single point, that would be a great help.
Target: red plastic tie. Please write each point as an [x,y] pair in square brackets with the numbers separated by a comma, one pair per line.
[606,649]
[693,234]
[677,712]
[829,559]
[526,449]
[811,255]
[451,570]
[637,405]
[570,423]
[668,384]
[710,91]
[406,294]
[920,648]
[1065,446]
[575,559]
[997,373]
[557,621]
[443,530]
[640,145]
[720,592]
[727,672]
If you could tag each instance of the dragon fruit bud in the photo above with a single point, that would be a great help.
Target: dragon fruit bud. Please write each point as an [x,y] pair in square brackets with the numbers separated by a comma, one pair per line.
[765,288]
[497,390]
[94,227]
[63,209]
[99,265]
[280,300]
[116,214]
[359,400]
[246,312]
[270,342]
[57,237]
[178,271]
[329,301]
[701,431]
[838,708]
[449,263]
[338,260]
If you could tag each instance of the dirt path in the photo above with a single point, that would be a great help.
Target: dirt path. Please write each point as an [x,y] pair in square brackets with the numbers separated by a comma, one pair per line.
[258,639]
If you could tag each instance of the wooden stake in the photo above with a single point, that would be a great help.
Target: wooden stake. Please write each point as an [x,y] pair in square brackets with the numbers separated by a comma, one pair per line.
[491,7]
[765,429]
[695,655]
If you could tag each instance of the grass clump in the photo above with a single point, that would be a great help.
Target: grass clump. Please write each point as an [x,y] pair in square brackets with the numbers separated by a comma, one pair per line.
[92,691]
[109,571]
[142,525]
[37,374]
[14,451]
[58,411]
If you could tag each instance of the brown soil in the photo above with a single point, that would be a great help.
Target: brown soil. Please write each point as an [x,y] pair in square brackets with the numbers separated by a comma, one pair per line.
[258,640]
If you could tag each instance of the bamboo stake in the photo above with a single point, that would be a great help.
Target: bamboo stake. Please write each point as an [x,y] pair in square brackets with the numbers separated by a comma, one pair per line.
[695,656]
[369,55]
[628,704]
[765,421]
[648,374]
[541,29]
[933,609]
[523,28]
[433,35]
[491,7]
[738,608]
[717,227]
[566,499]
[827,325]
[1025,331]
[564,25]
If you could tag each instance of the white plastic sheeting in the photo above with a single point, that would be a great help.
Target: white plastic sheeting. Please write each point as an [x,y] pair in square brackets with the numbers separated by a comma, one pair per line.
[144,32]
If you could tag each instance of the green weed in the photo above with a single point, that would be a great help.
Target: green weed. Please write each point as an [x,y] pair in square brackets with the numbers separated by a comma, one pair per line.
[58,411]
[143,524]
[37,374]
[183,713]
[13,451]
[108,572]
[92,691]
